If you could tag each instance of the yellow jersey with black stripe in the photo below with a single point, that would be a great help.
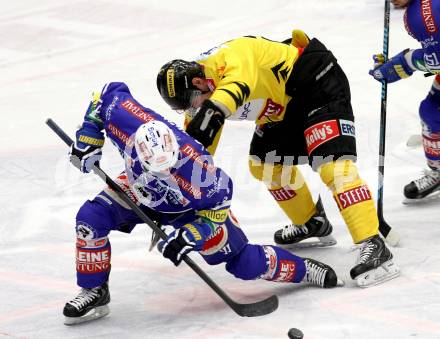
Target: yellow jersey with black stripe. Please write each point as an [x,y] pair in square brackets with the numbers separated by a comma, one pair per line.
[248,76]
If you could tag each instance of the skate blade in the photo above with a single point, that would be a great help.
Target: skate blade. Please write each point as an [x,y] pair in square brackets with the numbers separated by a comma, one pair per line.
[434,196]
[387,271]
[96,313]
[326,241]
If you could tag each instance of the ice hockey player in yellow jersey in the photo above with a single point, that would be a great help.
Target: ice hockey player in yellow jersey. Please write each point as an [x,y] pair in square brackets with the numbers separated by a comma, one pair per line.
[299,98]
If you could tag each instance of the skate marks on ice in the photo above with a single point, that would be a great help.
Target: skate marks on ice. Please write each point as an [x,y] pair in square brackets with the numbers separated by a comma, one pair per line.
[392,305]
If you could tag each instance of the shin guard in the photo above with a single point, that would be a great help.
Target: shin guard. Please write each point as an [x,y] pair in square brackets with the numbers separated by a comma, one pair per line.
[353,198]
[283,266]
[429,112]
[266,262]
[287,186]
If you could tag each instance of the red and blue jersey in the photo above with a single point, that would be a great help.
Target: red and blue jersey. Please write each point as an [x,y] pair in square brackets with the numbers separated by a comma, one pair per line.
[194,183]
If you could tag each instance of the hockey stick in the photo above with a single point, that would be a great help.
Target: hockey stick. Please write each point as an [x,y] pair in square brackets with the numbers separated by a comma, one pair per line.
[259,308]
[390,236]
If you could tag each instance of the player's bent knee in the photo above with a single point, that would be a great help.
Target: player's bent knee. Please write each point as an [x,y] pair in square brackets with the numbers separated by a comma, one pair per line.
[273,175]
[339,173]
[92,220]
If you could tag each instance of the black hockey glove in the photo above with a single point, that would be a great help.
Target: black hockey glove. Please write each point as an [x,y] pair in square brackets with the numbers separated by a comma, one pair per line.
[179,243]
[86,151]
[85,158]
[206,123]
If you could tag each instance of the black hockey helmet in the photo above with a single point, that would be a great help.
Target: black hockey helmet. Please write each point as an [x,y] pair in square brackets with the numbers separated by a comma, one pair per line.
[174,82]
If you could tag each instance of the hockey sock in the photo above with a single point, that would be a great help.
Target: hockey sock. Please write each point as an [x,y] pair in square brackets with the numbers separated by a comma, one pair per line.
[430,118]
[92,262]
[266,262]
[283,266]
[353,198]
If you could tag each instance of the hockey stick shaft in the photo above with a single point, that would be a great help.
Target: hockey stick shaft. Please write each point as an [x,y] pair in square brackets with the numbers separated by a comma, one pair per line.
[263,307]
[383,113]
[384,228]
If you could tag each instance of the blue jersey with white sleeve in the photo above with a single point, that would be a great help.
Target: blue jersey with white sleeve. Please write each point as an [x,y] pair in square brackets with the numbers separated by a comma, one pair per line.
[194,183]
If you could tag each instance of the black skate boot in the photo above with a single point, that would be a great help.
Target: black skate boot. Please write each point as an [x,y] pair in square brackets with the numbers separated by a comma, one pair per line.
[426,185]
[320,274]
[375,263]
[89,304]
[292,236]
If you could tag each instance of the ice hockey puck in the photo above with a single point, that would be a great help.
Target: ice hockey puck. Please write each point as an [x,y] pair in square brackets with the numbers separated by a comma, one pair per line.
[295,333]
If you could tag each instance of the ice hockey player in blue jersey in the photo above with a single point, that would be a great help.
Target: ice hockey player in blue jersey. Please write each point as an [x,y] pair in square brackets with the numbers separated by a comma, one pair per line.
[174,180]
[422,22]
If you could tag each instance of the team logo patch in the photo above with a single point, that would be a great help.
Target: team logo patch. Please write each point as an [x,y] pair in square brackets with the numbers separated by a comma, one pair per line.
[92,261]
[283,193]
[320,133]
[217,216]
[85,231]
[347,128]
[287,271]
[271,262]
[215,241]
[271,110]
[353,197]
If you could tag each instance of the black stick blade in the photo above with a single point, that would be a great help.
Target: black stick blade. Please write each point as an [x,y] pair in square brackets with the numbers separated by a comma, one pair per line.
[257,309]
[384,228]
[390,235]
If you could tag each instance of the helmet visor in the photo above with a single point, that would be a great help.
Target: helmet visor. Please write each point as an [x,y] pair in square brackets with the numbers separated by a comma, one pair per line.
[194,101]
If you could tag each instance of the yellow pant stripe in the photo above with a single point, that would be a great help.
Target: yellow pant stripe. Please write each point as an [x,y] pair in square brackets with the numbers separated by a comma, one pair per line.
[287,186]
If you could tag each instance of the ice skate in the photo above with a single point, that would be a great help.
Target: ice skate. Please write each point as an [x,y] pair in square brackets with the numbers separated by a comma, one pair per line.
[314,233]
[375,263]
[320,274]
[424,188]
[89,304]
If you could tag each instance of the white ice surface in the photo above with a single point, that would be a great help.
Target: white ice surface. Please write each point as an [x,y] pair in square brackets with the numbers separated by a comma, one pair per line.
[54,53]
